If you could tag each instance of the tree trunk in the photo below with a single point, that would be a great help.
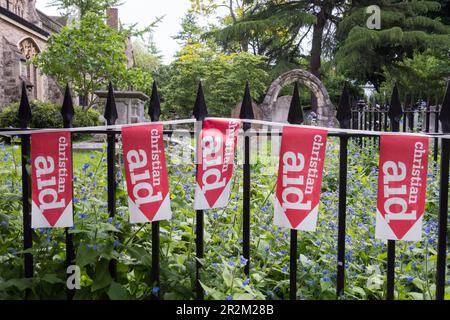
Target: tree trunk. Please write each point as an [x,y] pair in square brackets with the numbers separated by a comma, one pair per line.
[83,101]
[316,50]
[244,45]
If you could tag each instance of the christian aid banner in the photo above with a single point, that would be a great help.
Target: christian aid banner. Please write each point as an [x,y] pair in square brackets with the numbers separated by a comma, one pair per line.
[216,152]
[146,173]
[300,170]
[401,187]
[51,172]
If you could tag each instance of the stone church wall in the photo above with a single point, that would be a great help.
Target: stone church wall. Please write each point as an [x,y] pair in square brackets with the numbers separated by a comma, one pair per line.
[13,65]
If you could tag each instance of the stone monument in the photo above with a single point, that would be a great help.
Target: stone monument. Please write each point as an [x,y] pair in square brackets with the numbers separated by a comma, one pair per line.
[130,105]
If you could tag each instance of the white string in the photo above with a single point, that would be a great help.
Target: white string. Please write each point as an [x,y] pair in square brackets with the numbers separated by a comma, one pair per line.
[338,130]
[187,121]
[97,128]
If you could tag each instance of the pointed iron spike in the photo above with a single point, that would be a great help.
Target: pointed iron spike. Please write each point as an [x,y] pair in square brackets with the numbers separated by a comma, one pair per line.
[67,110]
[24,112]
[110,108]
[295,115]
[155,106]
[247,107]
[247,104]
[395,109]
[200,108]
[445,111]
[344,112]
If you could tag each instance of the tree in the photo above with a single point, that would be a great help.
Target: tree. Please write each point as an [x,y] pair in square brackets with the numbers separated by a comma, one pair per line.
[88,54]
[146,55]
[190,32]
[82,7]
[364,54]
[425,74]
[280,27]
[237,10]
[223,77]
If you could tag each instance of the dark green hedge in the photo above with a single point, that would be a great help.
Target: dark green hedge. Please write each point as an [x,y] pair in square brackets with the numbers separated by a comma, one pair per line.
[48,115]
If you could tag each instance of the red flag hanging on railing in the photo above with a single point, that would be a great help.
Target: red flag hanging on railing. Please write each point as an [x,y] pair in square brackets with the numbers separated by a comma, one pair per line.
[51,167]
[300,170]
[216,152]
[402,185]
[146,173]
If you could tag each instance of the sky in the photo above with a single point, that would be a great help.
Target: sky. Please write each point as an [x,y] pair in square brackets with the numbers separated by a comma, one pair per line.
[144,12]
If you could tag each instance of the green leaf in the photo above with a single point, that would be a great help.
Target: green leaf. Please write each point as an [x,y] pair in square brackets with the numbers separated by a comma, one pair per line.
[52,278]
[86,256]
[243,296]
[21,284]
[102,277]
[212,292]
[227,277]
[107,227]
[117,292]
[359,291]
[141,255]
[416,295]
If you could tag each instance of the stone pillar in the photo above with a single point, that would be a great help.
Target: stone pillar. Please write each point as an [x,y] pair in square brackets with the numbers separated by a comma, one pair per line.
[130,105]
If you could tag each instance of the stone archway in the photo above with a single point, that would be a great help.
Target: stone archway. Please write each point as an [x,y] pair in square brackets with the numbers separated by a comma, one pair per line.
[325,110]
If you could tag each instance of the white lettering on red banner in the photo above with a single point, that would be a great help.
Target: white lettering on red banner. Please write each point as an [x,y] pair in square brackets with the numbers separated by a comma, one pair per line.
[146,173]
[402,185]
[300,170]
[217,146]
[51,164]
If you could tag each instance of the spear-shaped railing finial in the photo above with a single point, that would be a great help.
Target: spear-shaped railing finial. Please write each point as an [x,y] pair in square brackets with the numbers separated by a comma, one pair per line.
[247,107]
[110,108]
[155,105]
[24,112]
[344,112]
[67,110]
[445,111]
[295,115]
[395,110]
[200,108]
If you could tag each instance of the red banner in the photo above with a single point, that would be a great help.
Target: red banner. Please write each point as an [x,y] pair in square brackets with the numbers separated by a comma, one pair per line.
[402,185]
[216,151]
[300,170]
[51,171]
[146,173]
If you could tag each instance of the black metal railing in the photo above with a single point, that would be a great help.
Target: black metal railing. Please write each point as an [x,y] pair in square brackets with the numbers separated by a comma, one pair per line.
[367,118]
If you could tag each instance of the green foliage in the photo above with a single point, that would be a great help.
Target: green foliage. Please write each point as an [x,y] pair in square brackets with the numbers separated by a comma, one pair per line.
[47,115]
[98,238]
[271,28]
[334,82]
[146,57]
[223,77]
[405,29]
[423,74]
[88,54]
[82,7]
[191,31]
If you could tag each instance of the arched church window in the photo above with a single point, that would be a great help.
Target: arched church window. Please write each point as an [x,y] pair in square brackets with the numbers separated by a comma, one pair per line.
[29,50]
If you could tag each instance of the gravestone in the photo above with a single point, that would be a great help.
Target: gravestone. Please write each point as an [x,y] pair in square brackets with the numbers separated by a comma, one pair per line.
[235,112]
[280,111]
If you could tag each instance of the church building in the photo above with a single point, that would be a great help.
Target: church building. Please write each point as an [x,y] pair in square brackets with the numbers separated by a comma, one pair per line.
[24,32]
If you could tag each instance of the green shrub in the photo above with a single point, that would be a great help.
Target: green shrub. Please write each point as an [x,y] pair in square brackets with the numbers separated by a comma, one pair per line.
[47,115]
